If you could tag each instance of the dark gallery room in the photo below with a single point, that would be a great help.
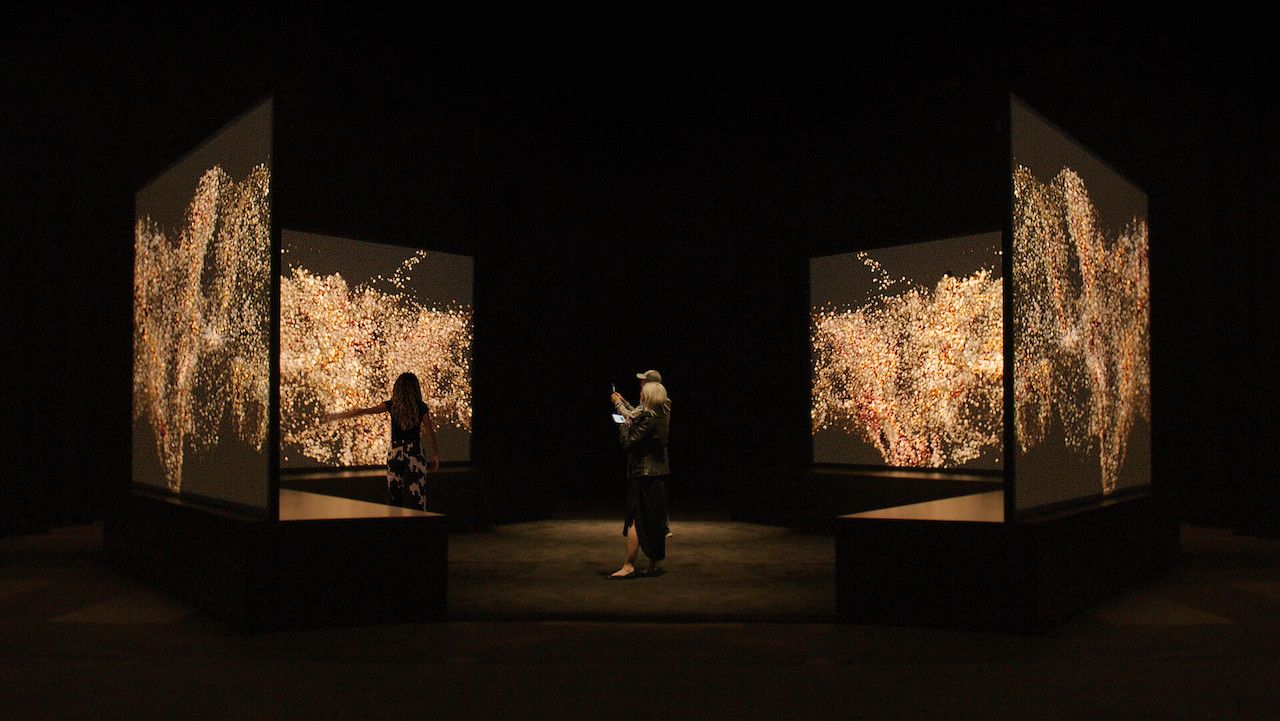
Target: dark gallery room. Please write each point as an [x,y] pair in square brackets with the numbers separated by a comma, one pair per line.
[776,368]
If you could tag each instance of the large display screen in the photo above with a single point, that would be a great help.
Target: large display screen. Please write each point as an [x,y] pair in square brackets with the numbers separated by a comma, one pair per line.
[907,356]
[1081,315]
[201,319]
[353,317]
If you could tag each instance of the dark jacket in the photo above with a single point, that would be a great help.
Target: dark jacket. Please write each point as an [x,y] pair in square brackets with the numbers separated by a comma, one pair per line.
[645,439]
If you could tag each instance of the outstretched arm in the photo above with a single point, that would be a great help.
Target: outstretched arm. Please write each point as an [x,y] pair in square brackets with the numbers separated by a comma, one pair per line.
[370,411]
[428,427]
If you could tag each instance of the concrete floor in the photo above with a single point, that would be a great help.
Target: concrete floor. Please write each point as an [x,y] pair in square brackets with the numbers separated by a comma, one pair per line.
[714,571]
[79,641]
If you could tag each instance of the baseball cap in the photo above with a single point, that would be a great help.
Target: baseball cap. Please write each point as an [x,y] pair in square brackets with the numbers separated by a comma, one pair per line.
[653,376]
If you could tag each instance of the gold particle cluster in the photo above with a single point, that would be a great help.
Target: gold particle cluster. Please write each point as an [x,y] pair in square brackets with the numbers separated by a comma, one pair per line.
[1081,321]
[342,347]
[881,277]
[201,321]
[917,375]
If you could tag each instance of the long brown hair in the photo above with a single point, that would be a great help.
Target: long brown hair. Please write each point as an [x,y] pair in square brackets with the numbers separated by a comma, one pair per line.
[406,401]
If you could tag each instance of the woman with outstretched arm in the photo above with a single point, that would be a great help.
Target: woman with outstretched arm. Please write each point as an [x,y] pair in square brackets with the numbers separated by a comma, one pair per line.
[410,419]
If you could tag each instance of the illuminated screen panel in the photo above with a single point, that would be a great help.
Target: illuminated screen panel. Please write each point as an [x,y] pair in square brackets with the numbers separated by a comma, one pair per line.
[1082,386]
[906,348]
[353,317]
[201,319]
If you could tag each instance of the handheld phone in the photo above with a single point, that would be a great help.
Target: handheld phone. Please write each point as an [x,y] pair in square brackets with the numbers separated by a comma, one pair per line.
[618,419]
[614,386]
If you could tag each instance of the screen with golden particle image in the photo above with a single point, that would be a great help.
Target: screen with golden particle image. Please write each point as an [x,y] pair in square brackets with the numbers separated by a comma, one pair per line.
[906,351]
[355,315]
[1081,301]
[201,319]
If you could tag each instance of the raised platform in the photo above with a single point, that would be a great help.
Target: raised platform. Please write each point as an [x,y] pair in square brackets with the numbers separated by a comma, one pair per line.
[808,500]
[327,561]
[974,508]
[955,563]
[470,498]
[305,506]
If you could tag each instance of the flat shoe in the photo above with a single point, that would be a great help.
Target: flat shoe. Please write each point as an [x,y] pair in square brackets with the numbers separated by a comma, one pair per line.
[628,577]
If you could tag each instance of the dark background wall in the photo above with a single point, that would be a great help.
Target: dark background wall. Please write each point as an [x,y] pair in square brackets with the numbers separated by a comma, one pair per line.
[639,215]
[631,204]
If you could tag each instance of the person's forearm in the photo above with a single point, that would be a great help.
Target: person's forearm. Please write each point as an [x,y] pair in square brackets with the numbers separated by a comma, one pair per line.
[626,409]
[352,413]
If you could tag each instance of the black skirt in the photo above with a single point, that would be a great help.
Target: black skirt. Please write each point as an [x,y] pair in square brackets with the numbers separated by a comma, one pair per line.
[647,509]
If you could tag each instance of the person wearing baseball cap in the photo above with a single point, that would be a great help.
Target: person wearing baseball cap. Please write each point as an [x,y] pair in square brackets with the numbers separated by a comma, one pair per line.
[644,438]
[630,412]
[627,410]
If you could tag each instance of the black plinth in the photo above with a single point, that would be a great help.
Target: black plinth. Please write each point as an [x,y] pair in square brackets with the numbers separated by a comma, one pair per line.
[954,563]
[326,562]
[470,498]
[804,500]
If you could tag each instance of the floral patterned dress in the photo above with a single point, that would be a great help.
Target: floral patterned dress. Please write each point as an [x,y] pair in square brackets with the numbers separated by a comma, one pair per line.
[406,464]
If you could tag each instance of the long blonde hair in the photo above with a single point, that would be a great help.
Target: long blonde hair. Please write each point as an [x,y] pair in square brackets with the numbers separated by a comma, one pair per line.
[653,395]
[406,401]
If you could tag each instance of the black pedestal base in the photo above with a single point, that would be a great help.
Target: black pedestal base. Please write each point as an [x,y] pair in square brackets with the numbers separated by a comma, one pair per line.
[327,562]
[944,565]
[471,499]
[804,500]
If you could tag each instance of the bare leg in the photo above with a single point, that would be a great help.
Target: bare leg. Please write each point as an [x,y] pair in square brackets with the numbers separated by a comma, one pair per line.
[653,565]
[633,549]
